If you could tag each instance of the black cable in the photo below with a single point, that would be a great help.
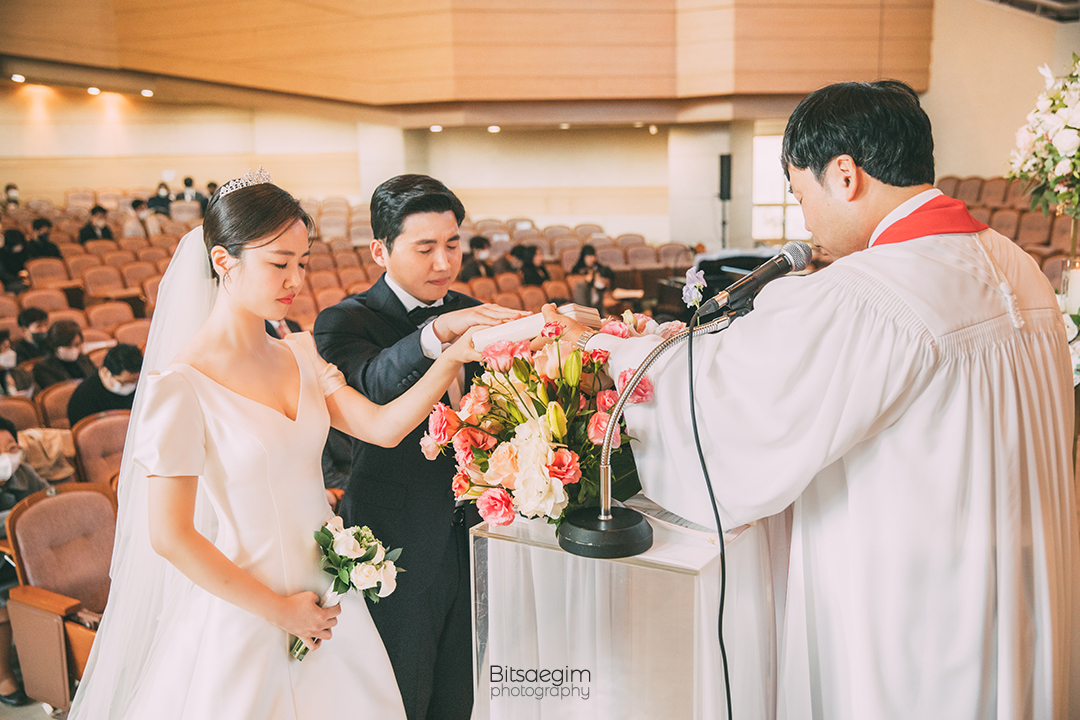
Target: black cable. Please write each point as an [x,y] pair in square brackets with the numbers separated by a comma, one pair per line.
[694,321]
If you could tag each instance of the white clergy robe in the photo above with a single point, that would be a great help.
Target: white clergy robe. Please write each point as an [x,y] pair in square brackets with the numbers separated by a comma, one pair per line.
[923,442]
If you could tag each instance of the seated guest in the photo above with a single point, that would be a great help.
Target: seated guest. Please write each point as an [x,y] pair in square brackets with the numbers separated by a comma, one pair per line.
[11,195]
[143,224]
[190,193]
[65,360]
[41,245]
[509,262]
[598,278]
[533,271]
[111,388]
[159,204]
[96,228]
[211,188]
[34,323]
[13,379]
[17,480]
[13,255]
[477,265]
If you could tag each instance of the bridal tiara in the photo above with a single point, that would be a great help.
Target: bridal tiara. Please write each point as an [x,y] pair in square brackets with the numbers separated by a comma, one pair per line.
[251,177]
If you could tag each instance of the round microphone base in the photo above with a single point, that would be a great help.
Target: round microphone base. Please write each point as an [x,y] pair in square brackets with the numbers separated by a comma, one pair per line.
[626,534]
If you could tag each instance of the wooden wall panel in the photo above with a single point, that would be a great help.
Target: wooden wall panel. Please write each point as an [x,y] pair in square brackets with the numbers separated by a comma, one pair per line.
[705,49]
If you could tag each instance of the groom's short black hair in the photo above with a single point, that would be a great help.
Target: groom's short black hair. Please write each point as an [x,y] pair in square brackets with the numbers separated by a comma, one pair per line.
[405,195]
[880,125]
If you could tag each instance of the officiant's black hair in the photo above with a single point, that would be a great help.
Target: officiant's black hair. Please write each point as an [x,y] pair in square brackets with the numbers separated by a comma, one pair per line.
[240,217]
[880,125]
[405,195]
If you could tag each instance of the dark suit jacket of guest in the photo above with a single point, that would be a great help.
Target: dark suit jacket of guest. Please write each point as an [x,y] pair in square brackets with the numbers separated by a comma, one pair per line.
[89,232]
[294,327]
[405,499]
[52,370]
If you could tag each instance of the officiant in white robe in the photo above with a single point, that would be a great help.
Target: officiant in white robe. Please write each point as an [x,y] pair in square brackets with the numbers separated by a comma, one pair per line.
[913,404]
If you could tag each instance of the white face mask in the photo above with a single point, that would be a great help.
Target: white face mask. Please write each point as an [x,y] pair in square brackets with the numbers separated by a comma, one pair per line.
[482,255]
[99,223]
[68,354]
[143,214]
[7,359]
[9,463]
[162,192]
[13,194]
[114,386]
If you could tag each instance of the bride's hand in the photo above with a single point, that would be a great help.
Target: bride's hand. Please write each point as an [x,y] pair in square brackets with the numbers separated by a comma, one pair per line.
[301,616]
[462,349]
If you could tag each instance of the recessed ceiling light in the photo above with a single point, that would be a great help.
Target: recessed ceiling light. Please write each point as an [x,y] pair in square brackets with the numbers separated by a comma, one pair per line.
[494,128]
[639,124]
[18,78]
[436,128]
[147,93]
[653,130]
[564,126]
[93,91]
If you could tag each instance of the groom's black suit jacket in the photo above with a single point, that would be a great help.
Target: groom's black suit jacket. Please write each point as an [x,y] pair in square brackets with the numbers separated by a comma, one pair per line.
[405,499]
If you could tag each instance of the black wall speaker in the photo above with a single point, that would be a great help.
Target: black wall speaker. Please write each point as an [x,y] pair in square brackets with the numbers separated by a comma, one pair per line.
[725,177]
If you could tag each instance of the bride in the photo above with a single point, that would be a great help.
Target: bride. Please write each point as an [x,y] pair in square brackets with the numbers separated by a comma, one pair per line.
[215,564]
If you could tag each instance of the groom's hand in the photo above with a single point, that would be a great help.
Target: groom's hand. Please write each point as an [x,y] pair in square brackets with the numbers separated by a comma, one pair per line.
[452,325]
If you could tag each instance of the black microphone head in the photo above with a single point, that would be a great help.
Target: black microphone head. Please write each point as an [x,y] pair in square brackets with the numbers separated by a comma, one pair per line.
[798,254]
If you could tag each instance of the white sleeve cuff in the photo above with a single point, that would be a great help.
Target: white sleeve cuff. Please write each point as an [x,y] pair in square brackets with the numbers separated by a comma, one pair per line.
[429,342]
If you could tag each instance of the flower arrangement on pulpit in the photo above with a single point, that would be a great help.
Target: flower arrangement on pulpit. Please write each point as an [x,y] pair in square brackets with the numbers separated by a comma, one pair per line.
[528,435]
[1046,160]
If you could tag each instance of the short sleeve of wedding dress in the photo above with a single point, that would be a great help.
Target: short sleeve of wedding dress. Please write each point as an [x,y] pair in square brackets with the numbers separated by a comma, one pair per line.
[330,378]
[170,440]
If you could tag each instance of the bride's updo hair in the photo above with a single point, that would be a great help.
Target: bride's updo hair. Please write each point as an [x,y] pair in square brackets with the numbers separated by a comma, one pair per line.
[243,216]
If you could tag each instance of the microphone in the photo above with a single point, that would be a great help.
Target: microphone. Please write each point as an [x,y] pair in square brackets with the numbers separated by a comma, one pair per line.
[793,256]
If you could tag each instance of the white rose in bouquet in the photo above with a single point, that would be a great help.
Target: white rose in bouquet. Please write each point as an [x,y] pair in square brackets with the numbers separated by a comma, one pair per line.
[346,545]
[388,578]
[1067,141]
[364,576]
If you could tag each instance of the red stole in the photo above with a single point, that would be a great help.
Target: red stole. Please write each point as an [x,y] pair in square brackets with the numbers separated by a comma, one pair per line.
[942,215]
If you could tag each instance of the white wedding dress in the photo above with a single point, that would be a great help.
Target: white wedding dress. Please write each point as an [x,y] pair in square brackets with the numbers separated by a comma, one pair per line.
[262,478]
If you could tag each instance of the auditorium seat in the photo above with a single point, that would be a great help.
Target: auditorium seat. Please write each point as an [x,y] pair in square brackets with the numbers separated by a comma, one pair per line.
[500,248]
[47,272]
[352,274]
[360,234]
[318,247]
[78,264]
[328,297]
[359,287]
[118,258]
[52,403]
[99,444]
[73,314]
[629,240]
[508,282]
[310,206]
[518,237]
[162,265]
[303,311]
[508,300]
[20,411]
[322,279]
[108,315]
[68,250]
[1061,234]
[1017,197]
[1052,267]
[346,258]
[557,289]
[1006,221]
[185,211]
[554,231]
[968,190]
[79,198]
[62,540]
[1034,229]
[100,247]
[586,230]
[97,336]
[981,214]
[47,299]
[490,226]
[100,281]
[335,205]
[340,244]
[599,241]
[642,256]
[541,242]
[136,272]
[319,263]
[484,289]
[460,287]
[9,307]
[333,226]
[948,185]
[568,258]
[134,332]
[109,198]
[150,288]
[520,223]
[611,256]
[532,298]
[152,254]
[566,242]
[133,244]
[993,193]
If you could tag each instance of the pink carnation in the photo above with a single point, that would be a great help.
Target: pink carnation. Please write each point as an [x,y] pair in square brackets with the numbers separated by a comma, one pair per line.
[496,507]
[468,438]
[442,424]
[564,466]
[461,483]
[600,356]
[616,327]
[499,356]
[598,426]
[429,447]
[606,400]
[552,330]
[476,401]
[642,393]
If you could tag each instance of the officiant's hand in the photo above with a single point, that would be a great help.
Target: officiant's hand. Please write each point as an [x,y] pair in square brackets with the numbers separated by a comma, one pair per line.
[572,329]
[452,325]
[301,616]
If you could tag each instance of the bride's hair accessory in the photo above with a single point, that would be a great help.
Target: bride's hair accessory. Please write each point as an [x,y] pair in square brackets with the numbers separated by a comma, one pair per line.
[251,177]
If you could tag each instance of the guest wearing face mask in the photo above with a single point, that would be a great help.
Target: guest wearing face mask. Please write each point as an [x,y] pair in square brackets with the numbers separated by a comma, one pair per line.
[143,224]
[477,265]
[65,360]
[13,379]
[11,196]
[17,480]
[96,229]
[111,388]
[13,254]
[159,204]
[34,323]
[41,245]
[190,193]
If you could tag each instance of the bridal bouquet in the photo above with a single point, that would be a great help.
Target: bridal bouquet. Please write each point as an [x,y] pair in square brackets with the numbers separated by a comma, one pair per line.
[1046,155]
[357,561]
[527,438]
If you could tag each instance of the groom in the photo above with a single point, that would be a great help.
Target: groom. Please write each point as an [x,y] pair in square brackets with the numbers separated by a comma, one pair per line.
[383,340]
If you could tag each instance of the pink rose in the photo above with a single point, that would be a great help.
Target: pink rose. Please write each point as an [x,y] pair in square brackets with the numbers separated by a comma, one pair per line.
[606,400]
[582,402]
[502,467]
[468,438]
[642,393]
[564,466]
[640,321]
[461,483]
[598,426]
[616,327]
[429,447]
[499,356]
[442,424]
[552,330]
[496,507]
[521,349]
[600,356]
[477,401]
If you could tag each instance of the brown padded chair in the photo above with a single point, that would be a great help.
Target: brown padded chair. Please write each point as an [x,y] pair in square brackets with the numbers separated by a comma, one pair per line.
[52,403]
[304,311]
[47,299]
[133,333]
[99,444]
[629,240]
[346,258]
[321,279]
[509,300]
[1034,229]
[78,264]
[532,298]
[133,244]
[47,272]
[484,289]
[118,258]
[328,297]
[320,262]
[135,272]
[9,307]
[586,230]
[349,276]
[508,282]
[947,185]
[968,190]
[62,540]
[152,254]
[21,411]
[109,315]
[100,247]
[557,289]
[993,192]
[1006,222]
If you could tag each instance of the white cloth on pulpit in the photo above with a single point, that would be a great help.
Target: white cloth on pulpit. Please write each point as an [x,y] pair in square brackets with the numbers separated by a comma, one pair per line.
[924,442]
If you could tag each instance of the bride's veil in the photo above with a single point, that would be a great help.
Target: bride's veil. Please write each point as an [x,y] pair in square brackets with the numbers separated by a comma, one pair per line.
[144,585]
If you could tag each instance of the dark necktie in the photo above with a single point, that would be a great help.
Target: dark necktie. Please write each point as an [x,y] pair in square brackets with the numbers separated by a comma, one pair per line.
[418,315]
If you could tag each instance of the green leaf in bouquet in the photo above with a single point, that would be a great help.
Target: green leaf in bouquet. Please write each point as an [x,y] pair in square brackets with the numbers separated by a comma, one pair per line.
[341,587]
[324,537]
[333,557]
[541,408]
[369,554]
[343,575]
[572,369]
[393,555]
[515,413]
